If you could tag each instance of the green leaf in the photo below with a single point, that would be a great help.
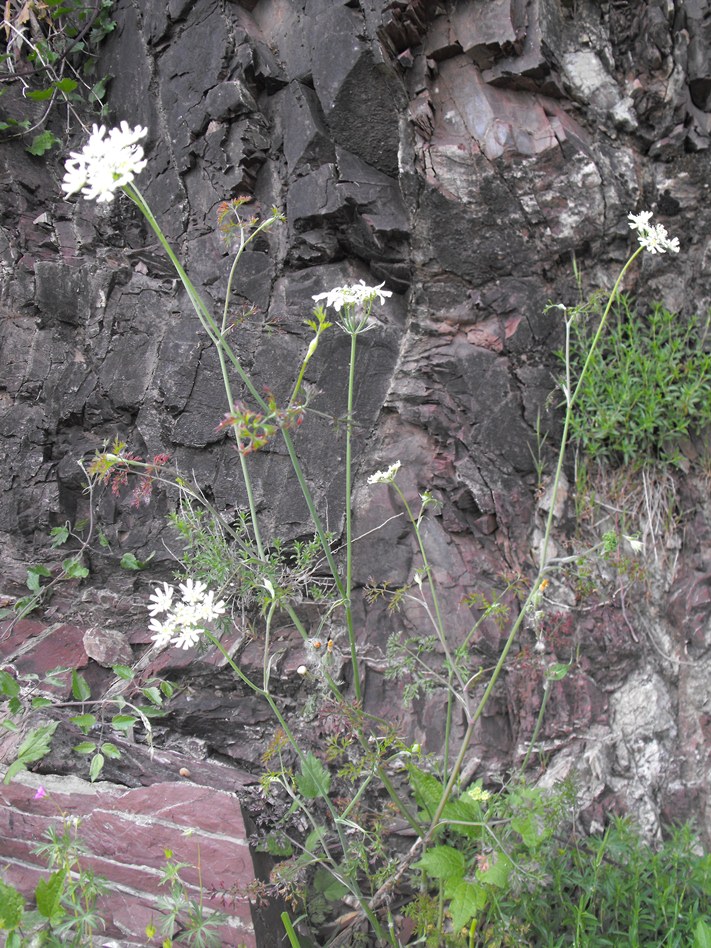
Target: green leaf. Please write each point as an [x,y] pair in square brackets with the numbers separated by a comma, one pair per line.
[123,671]
[328,886]
[65,85]
[15,767]
[42,143]
[40,703]
[8,685]
[84,721]
[110,750]
[12,906]
[40,95]
[130,561]
[48,894]
[74,568]
[702,934]
[557,672]
[59,536]
[314,780]
[427,789]
[498,872]
[9,725]
[443,862]
[37,743]
[80,688]
[153,694]
[96,766]
[33,577]
[122,722]
[467,901]
[85,747]
[167,688]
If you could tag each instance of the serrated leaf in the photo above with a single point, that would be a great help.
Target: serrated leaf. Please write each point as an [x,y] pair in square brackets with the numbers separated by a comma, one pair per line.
[9,725]
[153,694]
[33,578]
[167,688]
[122,722]
[40,95]
[12,906]
[85,747]
[8,685]
[498,871]
[110,750]
[59,535]
[427,789]
[80,688]
[84,721]
[74,568]
[40,703]
[37,743]
[123,672]
[443,862]
[467,816]
[96,766]
[48,894]
[467,900]
[314,780]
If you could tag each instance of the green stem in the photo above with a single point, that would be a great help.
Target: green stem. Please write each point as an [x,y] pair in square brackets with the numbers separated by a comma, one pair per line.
[539,723]
[349,527]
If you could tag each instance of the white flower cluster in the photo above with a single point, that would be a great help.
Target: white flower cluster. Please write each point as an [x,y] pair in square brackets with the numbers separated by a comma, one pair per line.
[385,477]
[184,621]
[105,164]
[356,295]
[653,237]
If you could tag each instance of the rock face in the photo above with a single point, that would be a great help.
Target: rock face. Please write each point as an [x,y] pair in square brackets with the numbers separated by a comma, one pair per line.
[463,153]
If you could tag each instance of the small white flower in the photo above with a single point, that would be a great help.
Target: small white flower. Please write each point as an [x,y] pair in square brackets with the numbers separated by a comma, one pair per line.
[163,631]
[209,610]
[635,543]
[385,477]
[161,600]
[640,221]
[105,164]
[192,592]
[187,637]
[653,237]
[301,670]
[355,295]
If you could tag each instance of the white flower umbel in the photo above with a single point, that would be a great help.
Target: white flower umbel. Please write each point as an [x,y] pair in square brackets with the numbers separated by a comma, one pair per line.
[653,237]
[105,164]
[358,294]
[385,477]
[184,621]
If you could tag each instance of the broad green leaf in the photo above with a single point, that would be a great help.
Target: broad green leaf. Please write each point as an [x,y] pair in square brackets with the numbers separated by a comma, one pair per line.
[328,886]
[85,747]
[74,568]
[498,871]
[167,688]
[80,688]
[40,703]
[702,934]
[122,722]
[12,906]
[466,813]
[530,829]
[9,725]
[84,721]
[443,862]
[65,85]
[40,95]
[42,143]
[48,893]
[59,536]
[130,561]
[96,766]
[33,577]
[123,671]
[427,789]
[15,767]
[110,750]
[153,694]
[557,671]
[8,685]
[314,780]
[467,900]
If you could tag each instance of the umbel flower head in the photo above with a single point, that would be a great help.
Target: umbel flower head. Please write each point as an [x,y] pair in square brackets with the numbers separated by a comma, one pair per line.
[385,477]
[358,294]
[105,163]
[184,621]
[653,237]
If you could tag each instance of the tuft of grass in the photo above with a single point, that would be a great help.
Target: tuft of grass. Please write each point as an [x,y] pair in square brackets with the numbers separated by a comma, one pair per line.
[648,385]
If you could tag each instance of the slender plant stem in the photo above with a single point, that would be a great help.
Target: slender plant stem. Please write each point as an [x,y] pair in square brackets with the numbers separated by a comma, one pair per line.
[349,531]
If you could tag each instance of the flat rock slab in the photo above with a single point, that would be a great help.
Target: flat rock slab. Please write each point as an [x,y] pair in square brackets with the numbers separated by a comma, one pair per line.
[126,833]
